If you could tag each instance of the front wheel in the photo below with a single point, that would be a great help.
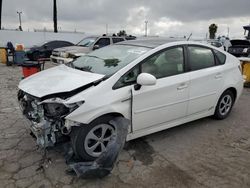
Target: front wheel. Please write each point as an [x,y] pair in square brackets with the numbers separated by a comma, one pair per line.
[90,141]
[224,105]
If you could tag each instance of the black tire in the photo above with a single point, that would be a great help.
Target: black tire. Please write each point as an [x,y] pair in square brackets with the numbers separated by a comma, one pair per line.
[219,112]
[79,135]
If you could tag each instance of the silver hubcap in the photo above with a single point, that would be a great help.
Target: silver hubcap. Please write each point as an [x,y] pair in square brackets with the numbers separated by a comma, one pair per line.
[225,105]
[97,139]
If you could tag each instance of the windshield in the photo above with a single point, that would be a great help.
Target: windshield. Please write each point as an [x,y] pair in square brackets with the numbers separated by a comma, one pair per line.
[87,41]
[110,59]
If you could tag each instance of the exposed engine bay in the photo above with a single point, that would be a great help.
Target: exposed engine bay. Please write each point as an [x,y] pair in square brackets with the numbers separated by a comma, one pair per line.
[46,117]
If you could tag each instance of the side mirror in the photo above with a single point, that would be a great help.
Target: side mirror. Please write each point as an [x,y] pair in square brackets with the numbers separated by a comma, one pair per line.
[145,79]
[96,47]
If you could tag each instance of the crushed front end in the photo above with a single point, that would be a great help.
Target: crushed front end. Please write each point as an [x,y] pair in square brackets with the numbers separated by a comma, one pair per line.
[46,117]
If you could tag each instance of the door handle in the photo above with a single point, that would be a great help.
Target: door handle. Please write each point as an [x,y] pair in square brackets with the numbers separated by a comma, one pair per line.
[218,76]
[182,86]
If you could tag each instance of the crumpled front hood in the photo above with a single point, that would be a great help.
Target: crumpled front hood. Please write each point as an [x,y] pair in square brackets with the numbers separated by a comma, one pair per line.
[73,49]
[57,80]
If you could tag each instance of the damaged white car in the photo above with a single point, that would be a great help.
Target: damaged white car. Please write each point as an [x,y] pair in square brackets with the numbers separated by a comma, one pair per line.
[155,84]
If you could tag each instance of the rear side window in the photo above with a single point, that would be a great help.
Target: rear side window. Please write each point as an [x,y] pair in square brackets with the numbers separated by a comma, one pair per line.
[221,57]
[115,40]
[200,57]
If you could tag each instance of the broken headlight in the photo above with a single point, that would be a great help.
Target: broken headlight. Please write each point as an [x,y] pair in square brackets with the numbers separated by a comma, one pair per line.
[55,110]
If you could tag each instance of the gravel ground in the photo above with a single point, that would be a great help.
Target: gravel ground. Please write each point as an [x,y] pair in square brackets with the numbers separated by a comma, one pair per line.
[203,153]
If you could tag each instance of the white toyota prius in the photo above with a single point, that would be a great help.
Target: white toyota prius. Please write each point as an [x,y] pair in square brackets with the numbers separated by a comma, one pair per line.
[155,84]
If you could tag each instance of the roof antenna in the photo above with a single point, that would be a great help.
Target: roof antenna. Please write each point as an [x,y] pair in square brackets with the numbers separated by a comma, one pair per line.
[189,36]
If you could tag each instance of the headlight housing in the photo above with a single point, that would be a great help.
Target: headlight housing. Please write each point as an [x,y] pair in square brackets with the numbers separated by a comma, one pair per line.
[64,54]
[55,110]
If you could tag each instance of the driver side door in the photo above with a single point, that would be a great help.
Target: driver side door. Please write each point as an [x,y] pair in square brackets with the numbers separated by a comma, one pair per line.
[167,100]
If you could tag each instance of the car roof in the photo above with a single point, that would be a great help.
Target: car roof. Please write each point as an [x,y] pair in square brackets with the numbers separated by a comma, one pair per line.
[104,36]
[148,43]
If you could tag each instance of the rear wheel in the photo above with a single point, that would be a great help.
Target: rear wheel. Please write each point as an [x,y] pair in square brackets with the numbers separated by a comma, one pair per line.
[90,141]
[224,105]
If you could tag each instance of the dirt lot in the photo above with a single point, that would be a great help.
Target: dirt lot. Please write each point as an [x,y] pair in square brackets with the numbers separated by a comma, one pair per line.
[204,153]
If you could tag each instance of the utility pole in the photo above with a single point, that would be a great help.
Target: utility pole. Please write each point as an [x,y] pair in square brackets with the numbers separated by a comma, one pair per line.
[1,3]
[146,28]
[107,29]
[55,16]
[20,20]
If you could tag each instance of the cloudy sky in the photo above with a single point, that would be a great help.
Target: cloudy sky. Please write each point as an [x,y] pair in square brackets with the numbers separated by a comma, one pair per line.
[165,17]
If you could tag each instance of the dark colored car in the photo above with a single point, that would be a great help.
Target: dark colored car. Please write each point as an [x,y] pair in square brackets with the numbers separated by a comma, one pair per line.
[44,50]
[239,48]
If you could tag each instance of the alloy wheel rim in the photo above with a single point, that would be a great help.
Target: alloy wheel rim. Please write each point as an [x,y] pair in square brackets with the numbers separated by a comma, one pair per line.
[97,139]
[225,105]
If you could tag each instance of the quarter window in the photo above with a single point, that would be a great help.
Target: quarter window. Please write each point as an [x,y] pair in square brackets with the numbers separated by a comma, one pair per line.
[200,58]
[167,63]
[128,79]
[221,57]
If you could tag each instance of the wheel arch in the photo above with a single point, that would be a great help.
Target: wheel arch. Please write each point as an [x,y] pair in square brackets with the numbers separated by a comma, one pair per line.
[106,116]
[233,90]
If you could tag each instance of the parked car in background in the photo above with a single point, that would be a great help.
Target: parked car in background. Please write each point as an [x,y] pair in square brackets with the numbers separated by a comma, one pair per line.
[239,48]
[155,84]
[216,43]
[88,44]
[45,49]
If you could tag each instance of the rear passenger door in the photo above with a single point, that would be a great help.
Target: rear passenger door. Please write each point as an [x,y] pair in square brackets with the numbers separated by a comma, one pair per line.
[206,79]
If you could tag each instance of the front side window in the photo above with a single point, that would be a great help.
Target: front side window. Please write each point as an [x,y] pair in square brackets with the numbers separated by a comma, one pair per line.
[221,57]
[103,42]
[167,63]
[200,58]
